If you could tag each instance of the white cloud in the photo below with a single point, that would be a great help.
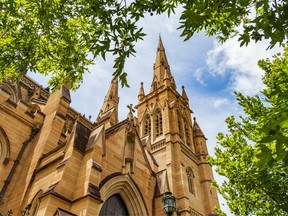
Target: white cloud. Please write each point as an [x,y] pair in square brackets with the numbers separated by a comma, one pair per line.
[220,102]
[172,23]
[216,61]
[198,73]
[240,63]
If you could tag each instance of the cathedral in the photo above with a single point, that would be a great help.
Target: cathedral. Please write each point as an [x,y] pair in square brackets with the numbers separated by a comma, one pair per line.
[56,162]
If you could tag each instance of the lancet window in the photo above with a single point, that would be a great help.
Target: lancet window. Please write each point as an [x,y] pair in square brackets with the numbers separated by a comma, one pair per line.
[190,177]
[179,121]
[187,132]
[147,125]
[158,123]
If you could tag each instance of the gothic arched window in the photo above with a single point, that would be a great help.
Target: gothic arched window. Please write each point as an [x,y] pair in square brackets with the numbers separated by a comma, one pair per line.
[190,177]
[187,133]
[179,121]
[114,206]
[158,123]
[147,124]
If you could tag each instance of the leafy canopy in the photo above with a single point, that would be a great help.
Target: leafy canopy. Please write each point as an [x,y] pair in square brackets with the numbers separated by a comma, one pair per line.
[61,38]
[257,19]
[254,155]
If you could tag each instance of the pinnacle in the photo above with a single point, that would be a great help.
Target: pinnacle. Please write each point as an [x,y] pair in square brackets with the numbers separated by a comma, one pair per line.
[197,130]
[141,91]
[184,95]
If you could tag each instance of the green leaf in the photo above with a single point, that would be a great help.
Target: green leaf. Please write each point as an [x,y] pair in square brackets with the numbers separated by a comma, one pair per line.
[265,156]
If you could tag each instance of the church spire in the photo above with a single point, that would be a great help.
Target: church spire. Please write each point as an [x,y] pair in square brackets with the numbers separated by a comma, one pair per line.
[161,67]
[110,103]
[161,59]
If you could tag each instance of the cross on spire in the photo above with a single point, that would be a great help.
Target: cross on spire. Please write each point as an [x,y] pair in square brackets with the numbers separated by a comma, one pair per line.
[130,107]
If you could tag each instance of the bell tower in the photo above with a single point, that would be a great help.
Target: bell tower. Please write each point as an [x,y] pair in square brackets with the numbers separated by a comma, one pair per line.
[164,117]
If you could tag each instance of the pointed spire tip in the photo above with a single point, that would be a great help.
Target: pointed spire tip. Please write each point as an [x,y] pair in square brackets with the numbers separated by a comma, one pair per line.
[160,44]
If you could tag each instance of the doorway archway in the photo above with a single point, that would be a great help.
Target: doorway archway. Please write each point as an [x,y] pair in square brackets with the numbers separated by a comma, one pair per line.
[114,206]
[125,187]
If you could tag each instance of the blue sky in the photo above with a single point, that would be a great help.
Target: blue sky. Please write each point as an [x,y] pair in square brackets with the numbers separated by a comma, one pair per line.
[209,71]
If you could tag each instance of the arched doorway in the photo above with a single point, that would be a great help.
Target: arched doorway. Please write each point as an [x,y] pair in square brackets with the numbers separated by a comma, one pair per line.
[126,188]
[114,206]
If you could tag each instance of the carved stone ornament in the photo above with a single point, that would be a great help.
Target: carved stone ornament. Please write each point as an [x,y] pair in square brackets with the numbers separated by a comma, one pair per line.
[130,126]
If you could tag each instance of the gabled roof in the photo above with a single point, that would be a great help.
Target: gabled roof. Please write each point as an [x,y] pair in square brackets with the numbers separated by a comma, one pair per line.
[106,115]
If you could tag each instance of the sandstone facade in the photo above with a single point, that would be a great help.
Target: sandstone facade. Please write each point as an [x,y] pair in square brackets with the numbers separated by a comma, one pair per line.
[53,161]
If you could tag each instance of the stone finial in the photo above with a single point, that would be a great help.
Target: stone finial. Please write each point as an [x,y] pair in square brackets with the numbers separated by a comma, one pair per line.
[141,93]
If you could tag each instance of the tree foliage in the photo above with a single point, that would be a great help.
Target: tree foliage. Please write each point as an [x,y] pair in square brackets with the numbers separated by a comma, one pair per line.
[61,38]
[254,155]
[249,19]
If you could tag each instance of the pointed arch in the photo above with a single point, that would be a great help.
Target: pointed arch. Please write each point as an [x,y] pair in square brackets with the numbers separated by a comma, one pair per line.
[155,83]
[130,193]
[4,147]
[158,122]
[35,203]
[190,180]
[7,88]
